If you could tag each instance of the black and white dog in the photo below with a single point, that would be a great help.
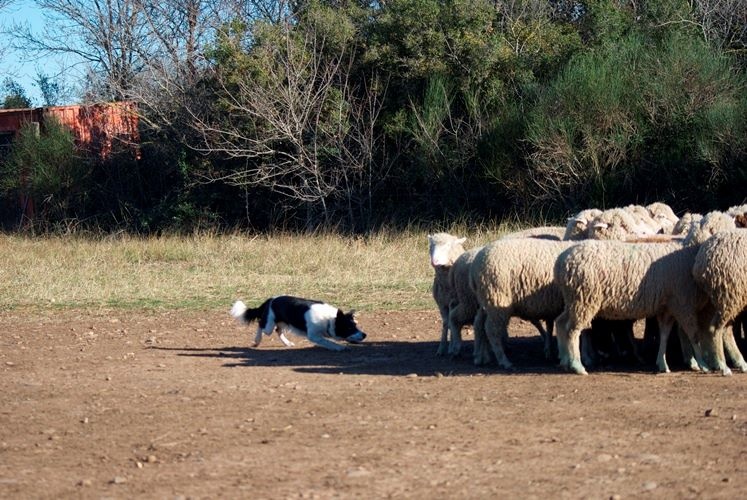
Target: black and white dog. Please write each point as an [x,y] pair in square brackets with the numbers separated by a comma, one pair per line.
[316,320]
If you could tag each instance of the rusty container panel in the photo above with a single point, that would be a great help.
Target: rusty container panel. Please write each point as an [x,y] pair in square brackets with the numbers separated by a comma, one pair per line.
[100,128]
[12,120]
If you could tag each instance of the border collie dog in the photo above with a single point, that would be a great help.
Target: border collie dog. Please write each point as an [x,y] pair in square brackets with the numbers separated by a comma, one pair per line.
[315,320]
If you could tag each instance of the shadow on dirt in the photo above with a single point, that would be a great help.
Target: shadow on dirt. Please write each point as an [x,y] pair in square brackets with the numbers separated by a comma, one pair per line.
[391,358]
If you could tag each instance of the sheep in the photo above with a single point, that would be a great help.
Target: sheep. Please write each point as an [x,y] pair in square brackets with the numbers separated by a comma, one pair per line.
[682,227]
[576,229]
[719,271]
[644,218]
[444,250]
[617,224]
[463,307]
[710,224]
[737,210]
[617,280]
[663,215]
[514,277]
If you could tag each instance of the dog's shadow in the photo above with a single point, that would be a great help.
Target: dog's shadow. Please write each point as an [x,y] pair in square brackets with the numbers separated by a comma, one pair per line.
[394,358]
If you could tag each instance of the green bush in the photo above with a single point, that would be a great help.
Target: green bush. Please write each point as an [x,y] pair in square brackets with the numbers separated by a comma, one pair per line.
[44,165]
[638,120]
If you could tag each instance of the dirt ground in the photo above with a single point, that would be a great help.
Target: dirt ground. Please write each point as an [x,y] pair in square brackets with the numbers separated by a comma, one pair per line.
[177,405]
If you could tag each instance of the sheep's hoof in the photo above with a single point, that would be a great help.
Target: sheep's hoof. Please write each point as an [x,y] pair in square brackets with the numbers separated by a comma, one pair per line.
[662,368]
[726,371]
[742,367]
[694,366]
[506,365]
[578,368]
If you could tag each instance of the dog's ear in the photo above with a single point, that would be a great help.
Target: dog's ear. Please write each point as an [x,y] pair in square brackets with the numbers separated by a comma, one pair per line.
[352,312]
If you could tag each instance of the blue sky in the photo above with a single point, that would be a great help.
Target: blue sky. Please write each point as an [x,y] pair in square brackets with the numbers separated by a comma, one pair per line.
[13,64]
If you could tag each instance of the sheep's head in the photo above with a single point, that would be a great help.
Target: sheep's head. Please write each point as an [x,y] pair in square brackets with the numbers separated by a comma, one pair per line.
[616,224]
[444,249]
[577,226]
[663,215]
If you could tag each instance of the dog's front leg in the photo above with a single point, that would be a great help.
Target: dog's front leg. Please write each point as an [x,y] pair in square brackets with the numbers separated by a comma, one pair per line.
[317,338]
[258,337]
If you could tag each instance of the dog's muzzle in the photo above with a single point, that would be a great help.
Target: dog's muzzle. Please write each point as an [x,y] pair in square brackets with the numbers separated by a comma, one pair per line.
[356,337]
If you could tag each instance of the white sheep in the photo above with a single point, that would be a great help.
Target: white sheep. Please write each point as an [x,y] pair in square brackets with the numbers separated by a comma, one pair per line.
[644,218]
[686,222]
[737,210]
[576,228]
[514,277]
[663,215]
[719,270]
[464,305]
[444,250]
[618,224]
[617,280]
[465,308]
[710,224]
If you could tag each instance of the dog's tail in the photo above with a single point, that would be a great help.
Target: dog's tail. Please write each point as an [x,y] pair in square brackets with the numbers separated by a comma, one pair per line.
[246,314]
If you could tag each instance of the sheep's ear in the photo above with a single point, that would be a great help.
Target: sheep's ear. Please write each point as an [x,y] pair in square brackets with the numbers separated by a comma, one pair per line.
[601,225]
[461,240]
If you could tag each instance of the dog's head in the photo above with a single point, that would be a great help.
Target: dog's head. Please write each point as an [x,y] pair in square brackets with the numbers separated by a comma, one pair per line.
[346,327]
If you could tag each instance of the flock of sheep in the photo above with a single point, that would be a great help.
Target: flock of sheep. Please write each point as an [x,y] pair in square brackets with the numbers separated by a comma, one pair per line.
[614,267]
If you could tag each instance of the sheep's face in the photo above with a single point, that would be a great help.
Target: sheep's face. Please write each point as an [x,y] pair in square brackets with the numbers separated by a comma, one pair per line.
[444,249]
[575,229]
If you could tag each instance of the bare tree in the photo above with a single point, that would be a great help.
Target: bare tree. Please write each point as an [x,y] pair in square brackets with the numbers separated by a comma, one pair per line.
[3,5]
[99,35]
[724,22]
[298,125]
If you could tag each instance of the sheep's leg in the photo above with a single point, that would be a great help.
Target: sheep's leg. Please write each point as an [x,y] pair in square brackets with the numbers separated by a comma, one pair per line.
[573,322]
[588,353]
[549,355]
[712,345]
[496,330]
[574,350]
[443,345]
[458,318]
[481,351]
[730,344]
[561,333]
[688,354]
[665,328]
[635,347]
[544,335]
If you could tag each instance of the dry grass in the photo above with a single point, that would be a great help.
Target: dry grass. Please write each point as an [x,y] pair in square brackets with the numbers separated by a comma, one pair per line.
[385,271]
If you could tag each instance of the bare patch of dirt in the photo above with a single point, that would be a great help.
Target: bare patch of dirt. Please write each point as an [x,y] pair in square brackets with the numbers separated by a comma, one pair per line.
[166,405]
